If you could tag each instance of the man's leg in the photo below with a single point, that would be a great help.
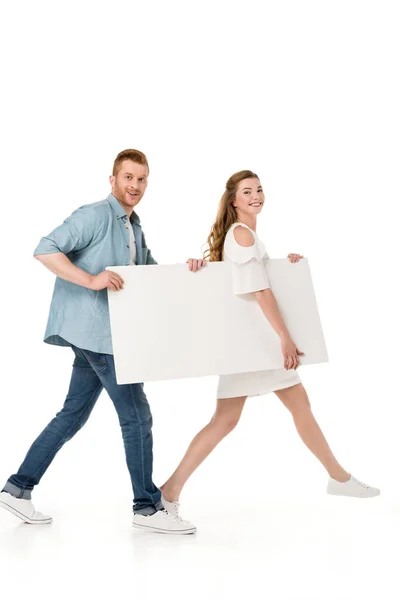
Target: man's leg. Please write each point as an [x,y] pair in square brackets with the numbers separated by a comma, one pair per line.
[136,422]
[84,389]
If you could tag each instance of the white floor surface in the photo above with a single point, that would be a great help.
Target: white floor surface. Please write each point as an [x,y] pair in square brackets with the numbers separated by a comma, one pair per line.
[337,548]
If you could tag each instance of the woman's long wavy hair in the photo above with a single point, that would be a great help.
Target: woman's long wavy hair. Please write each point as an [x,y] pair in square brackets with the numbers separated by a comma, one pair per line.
[226,216]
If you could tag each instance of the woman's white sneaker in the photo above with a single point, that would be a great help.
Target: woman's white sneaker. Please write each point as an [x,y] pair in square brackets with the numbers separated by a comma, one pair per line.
[163,522]
[171,507]
[353,487]
[23,509]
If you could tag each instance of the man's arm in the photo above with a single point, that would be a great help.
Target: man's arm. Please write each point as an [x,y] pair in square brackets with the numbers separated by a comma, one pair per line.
[60,265]
[74,234]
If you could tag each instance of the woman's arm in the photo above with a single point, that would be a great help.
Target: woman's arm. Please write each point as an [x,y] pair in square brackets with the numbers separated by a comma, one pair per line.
[269,306]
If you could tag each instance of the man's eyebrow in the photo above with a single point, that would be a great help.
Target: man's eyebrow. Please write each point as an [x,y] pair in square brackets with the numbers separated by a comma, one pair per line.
[131,174]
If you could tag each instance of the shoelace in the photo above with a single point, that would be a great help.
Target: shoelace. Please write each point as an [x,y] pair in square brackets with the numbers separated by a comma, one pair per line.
[174,510]
[364,485]
[172,517]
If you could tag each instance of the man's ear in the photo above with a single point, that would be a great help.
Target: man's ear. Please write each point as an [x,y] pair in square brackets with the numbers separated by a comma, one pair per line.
[111,179]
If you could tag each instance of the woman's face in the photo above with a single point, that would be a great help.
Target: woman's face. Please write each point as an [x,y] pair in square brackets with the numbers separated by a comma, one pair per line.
[249,198]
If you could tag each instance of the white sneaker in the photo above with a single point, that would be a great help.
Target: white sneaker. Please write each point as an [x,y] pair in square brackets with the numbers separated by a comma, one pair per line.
[23,509]
[352,487]
[163,522]
[171,507]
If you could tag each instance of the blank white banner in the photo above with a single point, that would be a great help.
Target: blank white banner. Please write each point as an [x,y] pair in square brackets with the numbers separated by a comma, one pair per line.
[169,323]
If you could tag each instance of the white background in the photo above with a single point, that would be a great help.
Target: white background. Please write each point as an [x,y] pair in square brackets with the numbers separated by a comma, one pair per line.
[306,94]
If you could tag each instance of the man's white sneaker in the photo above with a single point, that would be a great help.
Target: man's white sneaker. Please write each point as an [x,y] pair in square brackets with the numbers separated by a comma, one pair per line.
[171,507]
[23,509]
[353,487]
[163,522]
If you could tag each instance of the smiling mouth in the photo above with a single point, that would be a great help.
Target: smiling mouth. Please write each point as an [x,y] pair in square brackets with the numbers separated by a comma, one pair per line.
[133,193]
[256,204]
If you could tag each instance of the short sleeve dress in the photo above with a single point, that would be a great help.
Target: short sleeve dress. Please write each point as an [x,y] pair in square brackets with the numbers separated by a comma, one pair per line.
[249,275]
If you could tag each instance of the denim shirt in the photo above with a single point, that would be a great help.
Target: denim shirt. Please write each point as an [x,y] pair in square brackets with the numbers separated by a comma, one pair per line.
[94,237]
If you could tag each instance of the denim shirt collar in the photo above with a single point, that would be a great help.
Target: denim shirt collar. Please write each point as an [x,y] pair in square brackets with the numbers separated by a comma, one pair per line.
[119,210]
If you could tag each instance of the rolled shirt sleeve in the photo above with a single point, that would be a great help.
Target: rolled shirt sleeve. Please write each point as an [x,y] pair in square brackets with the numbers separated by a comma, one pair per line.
[249,272]
[75,233]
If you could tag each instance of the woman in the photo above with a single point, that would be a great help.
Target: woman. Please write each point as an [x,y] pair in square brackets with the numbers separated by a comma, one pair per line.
[233,238]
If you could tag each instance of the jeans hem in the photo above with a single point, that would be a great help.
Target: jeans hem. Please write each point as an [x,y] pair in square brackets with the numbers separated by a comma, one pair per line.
[149,510]
[16,491]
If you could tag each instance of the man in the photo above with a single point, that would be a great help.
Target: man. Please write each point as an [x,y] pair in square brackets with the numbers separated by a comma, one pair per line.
[95,236]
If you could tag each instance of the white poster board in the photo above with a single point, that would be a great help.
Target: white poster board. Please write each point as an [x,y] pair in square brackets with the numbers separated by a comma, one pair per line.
[170,323]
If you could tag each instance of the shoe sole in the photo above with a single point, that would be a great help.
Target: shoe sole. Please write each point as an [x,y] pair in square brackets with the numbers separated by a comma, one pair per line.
[351,495]
[156,530]
[18,514]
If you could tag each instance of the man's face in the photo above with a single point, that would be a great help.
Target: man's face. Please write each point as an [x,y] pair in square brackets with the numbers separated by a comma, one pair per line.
[129,185]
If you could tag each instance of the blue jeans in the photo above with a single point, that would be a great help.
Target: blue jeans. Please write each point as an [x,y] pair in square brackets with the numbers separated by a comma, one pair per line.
[90,374]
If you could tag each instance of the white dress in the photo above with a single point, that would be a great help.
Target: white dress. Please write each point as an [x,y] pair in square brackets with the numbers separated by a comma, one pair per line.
[249,275]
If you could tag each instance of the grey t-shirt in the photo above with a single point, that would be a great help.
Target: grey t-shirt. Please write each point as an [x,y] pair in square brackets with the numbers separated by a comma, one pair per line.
[132,244]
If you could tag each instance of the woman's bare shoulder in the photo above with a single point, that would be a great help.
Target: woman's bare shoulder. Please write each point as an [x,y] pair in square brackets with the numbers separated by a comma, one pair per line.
[243,236]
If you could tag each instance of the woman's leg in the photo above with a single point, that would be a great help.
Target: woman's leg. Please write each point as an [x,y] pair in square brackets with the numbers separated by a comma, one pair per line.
[296,401]
[225,419]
